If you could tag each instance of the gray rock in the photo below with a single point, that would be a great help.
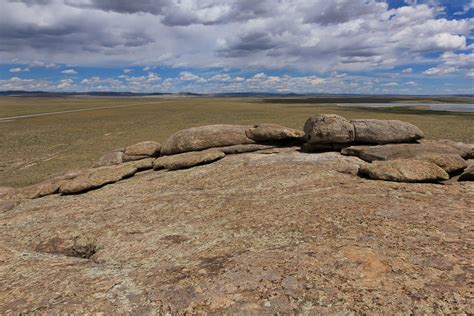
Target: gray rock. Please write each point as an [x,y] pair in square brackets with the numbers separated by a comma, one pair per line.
[328,128]
[110,159]
[272,133]
[187,160]
[146,148]
[468,174]
[239,149]
[385,131]
[205,137]
[395,151]
[95,178]
[404,170]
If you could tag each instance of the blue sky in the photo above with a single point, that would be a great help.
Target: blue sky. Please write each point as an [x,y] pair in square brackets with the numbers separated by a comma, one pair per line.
[209,46]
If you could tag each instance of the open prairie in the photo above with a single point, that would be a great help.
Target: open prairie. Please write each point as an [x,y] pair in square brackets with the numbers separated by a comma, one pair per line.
[36,147]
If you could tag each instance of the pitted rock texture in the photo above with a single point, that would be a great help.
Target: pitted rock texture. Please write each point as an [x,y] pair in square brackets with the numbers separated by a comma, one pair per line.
[204,137]
[404,170]
[187,160]
[385,131]
[249,234]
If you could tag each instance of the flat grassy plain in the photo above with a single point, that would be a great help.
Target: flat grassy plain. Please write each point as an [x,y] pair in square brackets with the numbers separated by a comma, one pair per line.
[35,148]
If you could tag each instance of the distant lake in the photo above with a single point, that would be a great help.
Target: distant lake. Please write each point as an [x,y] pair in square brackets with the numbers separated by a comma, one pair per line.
[450,107]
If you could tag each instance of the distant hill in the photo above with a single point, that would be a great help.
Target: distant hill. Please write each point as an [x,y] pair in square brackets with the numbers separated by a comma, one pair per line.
[274,97]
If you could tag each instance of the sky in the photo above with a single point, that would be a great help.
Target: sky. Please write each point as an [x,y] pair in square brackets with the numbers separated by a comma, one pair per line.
[215,46]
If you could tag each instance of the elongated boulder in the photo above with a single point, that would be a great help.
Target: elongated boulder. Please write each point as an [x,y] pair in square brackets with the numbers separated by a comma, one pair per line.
[146,148]
[385,131]
[273,133]
[205,137]
[450,163]
[404,170]
[328,128]
[395,151]
[468,174]
[96,178]
[187,160]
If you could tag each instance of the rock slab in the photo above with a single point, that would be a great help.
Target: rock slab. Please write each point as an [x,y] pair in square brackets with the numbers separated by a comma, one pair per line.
[187,160]
[328,128]
[95,178]
[385,131]
[404,170]
[395,151]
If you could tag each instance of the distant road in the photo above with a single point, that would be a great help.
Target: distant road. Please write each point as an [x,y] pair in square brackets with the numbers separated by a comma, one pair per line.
[10,118]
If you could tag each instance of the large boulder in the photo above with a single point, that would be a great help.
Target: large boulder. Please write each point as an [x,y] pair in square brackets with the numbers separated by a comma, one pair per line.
[404,170]
[273,133]
[385,131]
[187,160]
[468,174]
[146,148]
[328,128]
[205,137]
[96,178]
[395,151]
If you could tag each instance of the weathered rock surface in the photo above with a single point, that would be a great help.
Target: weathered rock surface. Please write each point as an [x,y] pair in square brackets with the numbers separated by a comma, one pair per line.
[110,159]
[328,128]
[468,174]
[404,170]
[272,133]
[395,151]
[450,163]
[385,131]
[187,160]
[95,178]
[146,148]
[204,137]
[248,234]
[239,149]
